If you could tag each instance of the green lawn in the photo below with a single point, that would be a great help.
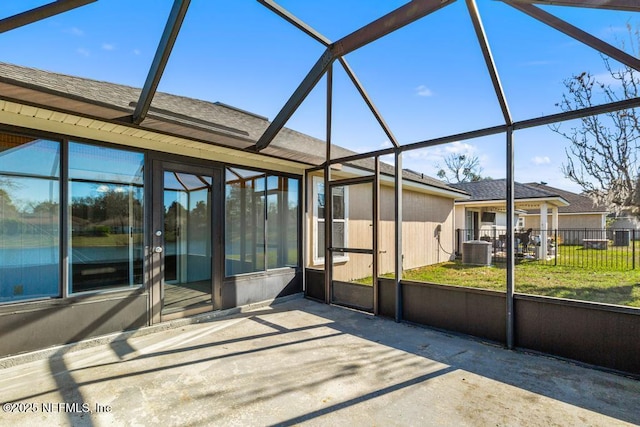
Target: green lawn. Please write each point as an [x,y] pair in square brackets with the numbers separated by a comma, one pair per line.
[588,284]
[614,257]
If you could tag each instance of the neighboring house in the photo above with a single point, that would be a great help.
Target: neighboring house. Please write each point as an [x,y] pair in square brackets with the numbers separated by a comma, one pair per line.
[569,216]
[485,210]
[483,215]
[581,214]
[107,225]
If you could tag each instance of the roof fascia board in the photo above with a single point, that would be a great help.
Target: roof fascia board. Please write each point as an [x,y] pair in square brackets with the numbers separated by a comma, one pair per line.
[147,129]
[570,213]
[558,200]
[63,128]
[407,183]
[120,120]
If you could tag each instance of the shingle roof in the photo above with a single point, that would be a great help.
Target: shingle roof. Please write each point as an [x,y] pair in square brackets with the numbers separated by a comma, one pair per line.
[495,189]
[578,202]
[214,122]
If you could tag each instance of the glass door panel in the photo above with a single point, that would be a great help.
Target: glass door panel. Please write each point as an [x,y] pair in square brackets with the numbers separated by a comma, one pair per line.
[187,221]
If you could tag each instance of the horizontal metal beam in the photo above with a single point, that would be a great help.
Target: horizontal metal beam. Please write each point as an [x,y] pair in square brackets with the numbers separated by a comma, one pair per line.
[369,102]
[352,181]
[453,138]
[578,114]
[577,33]
[40,13]
[346,159]
[295,21]
[169,35]
[402,16]
[299,95]
[628,5]
[352,250]
[523,124]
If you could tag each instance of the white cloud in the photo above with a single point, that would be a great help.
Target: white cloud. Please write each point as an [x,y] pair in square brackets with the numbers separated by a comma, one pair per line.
[74,31]
[386,144]
[537,63]
[607,79]
[541,160]
[429,160]
[422,90]
[82,51]
[108,46]
[458,147]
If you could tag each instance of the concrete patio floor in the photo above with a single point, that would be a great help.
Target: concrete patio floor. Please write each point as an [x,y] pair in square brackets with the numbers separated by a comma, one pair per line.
[301,362]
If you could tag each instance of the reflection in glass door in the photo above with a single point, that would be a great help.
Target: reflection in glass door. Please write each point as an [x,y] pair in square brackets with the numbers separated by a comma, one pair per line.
[187,201]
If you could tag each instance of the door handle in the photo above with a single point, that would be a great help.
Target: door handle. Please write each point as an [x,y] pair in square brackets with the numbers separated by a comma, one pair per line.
[158,249]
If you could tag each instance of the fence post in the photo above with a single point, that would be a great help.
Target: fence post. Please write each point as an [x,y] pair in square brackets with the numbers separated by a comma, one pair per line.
[633,249]
[557,247]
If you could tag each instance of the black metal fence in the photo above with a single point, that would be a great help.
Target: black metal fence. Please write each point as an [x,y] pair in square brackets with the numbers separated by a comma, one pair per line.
[615,249]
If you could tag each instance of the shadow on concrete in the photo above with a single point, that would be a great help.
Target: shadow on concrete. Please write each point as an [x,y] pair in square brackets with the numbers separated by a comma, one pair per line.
[439,354]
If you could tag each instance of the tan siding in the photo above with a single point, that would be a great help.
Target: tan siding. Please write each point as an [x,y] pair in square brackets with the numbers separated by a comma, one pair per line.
[422,213]
[568,222]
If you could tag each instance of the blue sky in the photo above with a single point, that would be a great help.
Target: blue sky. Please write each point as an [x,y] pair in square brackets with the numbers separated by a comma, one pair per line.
[427,80]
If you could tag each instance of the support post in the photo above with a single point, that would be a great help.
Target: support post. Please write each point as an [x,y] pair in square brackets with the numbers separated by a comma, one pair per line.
[328,212]
[398,233]
[555,252]
[544,226]
[376,241]
[510,238]
[554,218]
[633,249]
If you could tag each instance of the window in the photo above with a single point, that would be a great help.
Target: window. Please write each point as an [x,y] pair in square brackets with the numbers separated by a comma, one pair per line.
[105,218]
[244,221]
[261,221]
[489,217]
[282,222]
[340,207]
[29,218]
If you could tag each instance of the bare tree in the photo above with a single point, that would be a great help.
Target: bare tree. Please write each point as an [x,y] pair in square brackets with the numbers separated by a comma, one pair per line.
[603,153]
[460,168]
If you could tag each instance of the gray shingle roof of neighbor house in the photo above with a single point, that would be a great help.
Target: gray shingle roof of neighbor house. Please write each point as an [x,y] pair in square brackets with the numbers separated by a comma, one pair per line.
[204,121]
[578,203]
[495,189]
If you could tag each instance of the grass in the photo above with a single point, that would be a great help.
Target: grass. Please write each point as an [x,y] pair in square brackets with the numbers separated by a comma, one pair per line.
[613,257]
[587,284]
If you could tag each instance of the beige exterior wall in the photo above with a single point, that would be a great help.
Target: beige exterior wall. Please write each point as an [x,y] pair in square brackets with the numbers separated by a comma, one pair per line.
[422,214]
[460,217]
[568,221]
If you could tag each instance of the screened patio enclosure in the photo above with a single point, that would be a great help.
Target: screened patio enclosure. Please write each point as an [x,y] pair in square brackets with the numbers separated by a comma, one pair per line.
[246,251]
